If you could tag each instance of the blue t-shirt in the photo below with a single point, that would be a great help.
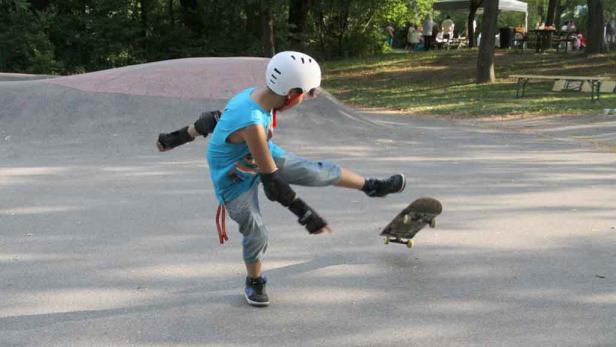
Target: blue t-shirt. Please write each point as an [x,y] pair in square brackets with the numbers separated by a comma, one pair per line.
[232,168]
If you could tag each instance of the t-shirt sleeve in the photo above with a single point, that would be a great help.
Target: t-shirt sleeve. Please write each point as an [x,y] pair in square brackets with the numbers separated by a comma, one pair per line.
[243,120]
[253,118]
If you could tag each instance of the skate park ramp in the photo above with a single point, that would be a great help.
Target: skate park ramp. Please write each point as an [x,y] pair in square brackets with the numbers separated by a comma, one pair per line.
[105,241]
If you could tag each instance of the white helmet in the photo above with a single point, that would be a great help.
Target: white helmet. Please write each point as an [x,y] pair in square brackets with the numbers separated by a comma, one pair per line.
[289,70]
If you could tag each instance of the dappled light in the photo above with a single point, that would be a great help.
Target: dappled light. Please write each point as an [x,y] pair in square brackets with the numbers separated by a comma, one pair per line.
[442,84]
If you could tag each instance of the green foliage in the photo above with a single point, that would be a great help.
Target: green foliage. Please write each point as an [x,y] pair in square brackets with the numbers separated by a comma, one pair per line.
[24,41]
[72,36]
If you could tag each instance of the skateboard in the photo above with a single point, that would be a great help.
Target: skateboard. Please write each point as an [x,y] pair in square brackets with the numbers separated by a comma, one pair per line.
[411,220]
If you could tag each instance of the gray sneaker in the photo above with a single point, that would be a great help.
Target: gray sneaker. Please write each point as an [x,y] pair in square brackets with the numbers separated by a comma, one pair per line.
[255,293]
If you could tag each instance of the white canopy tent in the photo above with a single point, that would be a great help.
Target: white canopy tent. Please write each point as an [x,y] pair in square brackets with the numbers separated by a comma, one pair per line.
[503,5]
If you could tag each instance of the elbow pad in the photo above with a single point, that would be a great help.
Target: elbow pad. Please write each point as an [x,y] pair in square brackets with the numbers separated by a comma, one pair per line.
[207,122]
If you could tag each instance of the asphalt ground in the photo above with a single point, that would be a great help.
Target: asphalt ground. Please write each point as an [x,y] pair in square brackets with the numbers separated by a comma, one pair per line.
[105,241]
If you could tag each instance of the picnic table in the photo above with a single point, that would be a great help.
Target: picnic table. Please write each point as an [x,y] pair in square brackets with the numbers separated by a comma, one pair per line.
[545,38]
[541,37]
[593,81]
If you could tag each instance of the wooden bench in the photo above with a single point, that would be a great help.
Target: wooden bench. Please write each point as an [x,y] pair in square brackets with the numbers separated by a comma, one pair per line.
[594,82]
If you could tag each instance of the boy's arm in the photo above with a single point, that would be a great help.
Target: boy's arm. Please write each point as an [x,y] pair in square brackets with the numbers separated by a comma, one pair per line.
[256,139]
[276,188]
[203,126]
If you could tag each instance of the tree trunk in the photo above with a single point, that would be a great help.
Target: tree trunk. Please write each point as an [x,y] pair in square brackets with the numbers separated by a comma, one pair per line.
[485,59]
[254,17]
[559,12]
[551,15]
[145,22]
[267,32]
[343,25]
[170,11]
[298,13]
[189,15]
[596,40]
[474,6]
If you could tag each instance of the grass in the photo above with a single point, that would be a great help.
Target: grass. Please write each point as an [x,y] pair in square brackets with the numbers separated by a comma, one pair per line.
[442,83]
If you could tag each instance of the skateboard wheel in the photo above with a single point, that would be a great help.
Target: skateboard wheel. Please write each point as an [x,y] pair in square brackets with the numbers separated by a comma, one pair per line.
[386,240]
[407,219]
[433,223]
[409,244]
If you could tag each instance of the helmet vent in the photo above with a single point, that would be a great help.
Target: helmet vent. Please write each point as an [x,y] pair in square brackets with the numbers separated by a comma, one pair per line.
[293,57]
[274,77]
[272,81]
[277,71]
[303,62]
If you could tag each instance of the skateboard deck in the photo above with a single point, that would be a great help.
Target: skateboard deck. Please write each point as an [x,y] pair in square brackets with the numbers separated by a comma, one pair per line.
[411,220]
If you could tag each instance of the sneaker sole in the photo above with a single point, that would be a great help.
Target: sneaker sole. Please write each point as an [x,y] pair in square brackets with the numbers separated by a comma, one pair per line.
[256,303]
[403,183]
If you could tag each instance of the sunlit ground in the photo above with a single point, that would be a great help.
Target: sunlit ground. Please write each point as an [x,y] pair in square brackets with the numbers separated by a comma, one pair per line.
[442,83]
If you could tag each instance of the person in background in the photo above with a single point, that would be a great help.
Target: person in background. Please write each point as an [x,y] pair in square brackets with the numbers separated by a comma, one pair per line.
[409,37]
[415,38]
[571,27]
[564,27]
[610,32]
[391,31]
[428,28]
[447,26]
[581,40]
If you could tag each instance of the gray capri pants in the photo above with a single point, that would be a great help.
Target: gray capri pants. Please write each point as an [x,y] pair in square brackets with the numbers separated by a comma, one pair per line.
[245,208]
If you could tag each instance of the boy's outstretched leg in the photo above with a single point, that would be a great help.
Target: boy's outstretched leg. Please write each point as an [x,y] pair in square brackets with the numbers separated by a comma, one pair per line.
[373,187]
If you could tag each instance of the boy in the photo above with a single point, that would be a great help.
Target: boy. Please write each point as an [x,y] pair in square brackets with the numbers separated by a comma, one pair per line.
[241,153]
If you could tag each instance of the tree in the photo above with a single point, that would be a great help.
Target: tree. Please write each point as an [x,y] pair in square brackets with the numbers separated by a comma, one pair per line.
[69,36]
[298,14]
[470,24]
[596,43]
[260,23]
[485,59]
[551,14]
[267,25]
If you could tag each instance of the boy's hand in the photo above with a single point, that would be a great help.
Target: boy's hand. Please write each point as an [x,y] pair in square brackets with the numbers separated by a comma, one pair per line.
[326,229]
[160,147]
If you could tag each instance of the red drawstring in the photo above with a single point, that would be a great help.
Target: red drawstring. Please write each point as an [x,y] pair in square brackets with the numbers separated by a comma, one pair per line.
[274,119]
[220,224]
